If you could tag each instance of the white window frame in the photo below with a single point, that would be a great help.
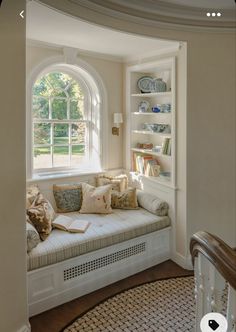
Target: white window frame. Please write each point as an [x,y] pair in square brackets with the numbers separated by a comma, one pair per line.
[87,119]
[89,80]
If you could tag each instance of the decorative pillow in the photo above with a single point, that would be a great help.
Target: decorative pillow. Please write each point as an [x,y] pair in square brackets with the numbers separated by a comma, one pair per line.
[31,192]
[96,200]
[41,215]
[32,236]
[119,183]
[152,203]
[124,200]
[68,197]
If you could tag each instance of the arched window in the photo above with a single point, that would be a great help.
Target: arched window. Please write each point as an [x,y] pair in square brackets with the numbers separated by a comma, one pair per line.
[60,122]
[66,121]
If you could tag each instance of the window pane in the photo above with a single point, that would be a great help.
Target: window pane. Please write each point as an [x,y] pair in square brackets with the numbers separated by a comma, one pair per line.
[42,157]
[74,90]
[40,108]
[76,109]
[42,87]
[61,133]
[59,109]
[60,156]
[42,133]
[78,132]
[58,80]
[77,155]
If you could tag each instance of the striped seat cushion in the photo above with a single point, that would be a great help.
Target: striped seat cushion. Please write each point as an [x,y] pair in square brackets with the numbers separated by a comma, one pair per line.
[105,230]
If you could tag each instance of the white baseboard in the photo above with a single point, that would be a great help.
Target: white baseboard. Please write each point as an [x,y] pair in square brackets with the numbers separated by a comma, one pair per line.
[25,328]
[183,261]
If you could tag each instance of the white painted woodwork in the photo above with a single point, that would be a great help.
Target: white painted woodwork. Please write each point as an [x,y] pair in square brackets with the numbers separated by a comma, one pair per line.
[212,293]
[48,287]
[134,120]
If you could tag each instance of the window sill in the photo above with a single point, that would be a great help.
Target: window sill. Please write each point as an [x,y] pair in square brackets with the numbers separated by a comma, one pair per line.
[61,175]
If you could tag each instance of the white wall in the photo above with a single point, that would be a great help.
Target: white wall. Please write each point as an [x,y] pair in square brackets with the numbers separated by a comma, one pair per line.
[13,303]
[210,118]
[111,74]
[210,142]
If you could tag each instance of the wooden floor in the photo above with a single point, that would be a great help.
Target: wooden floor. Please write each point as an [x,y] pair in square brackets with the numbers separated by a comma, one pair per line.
[55,319]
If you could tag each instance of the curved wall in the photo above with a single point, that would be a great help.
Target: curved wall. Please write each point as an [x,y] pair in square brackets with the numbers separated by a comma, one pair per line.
[210,115]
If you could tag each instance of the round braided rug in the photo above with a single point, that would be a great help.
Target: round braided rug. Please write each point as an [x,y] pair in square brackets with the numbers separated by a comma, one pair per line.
[165,305]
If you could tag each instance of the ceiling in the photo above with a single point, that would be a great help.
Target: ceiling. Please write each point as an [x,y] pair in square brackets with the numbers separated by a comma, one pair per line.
[53,27]
[187,15]
[208,4]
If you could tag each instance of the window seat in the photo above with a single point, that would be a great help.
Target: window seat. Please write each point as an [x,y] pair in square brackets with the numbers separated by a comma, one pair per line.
[104,231]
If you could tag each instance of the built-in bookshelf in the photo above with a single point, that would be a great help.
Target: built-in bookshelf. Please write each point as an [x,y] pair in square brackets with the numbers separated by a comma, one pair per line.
[150,134]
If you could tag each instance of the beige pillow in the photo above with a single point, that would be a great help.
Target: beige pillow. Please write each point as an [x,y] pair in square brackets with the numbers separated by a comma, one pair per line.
[41,215]
[96,200]
[31,192]
[119,183]
[152,203]
[124,200]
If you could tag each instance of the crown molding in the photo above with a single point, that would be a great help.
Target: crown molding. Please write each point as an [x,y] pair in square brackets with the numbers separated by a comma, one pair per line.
[60,48]
[157,14]
[77,52]
[148,55]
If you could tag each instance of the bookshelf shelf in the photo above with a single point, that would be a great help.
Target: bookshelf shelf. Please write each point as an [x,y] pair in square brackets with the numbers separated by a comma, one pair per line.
[148,132]
[153,153]
[156,179]
[143,160]
[150,113]
[152,94]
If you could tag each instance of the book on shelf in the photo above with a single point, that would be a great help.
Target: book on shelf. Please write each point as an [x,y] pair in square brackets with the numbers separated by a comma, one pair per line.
[166,146]
[68,224]
[146,164]
[153,168]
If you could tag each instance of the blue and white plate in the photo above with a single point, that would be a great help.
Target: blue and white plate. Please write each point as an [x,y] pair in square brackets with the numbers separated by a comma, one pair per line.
[145,84]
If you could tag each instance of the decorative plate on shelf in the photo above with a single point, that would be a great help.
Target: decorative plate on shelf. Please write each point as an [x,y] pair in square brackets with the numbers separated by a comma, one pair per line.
[143,106]
[145,84]
[148,84]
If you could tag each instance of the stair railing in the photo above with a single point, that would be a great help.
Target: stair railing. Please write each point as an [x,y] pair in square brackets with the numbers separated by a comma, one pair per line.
[215,278]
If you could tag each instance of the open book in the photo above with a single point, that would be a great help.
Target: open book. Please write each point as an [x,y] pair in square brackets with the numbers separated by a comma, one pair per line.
[68,224]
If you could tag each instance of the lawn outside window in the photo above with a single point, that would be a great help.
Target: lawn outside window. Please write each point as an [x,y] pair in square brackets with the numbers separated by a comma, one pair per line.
[61,114]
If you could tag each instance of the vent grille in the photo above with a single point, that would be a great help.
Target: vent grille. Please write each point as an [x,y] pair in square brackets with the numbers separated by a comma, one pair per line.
[98,263]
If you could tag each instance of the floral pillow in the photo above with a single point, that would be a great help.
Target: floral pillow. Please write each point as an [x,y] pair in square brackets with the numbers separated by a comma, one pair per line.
[119,183]
[41,215]
[31,193]
[68,197]
[96,200]
[124,200]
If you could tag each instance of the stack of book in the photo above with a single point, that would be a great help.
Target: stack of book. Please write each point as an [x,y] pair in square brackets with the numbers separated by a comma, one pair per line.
[146,164]
[166,146]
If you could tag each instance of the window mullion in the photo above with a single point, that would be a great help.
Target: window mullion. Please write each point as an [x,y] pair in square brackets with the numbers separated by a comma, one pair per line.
[52,142]
[70,143]
[51,129]
[68,108]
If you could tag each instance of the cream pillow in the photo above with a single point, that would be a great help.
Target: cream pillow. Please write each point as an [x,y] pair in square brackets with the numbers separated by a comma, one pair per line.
[152,203]
[119,183]
[96,200]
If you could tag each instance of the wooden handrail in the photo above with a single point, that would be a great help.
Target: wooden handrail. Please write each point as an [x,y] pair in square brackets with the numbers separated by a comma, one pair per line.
[217,252]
